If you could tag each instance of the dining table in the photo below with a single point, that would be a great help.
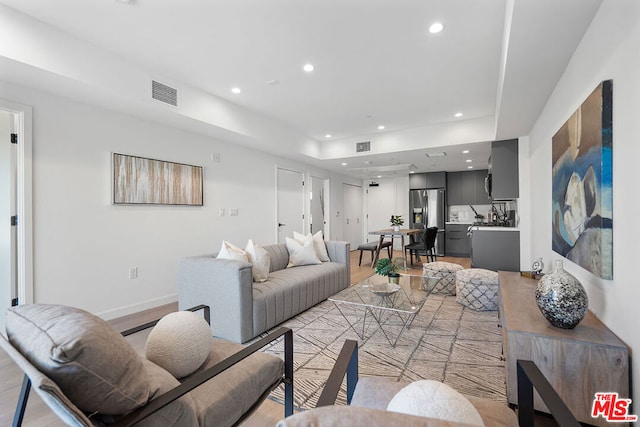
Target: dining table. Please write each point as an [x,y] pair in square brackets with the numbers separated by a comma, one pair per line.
[392,234]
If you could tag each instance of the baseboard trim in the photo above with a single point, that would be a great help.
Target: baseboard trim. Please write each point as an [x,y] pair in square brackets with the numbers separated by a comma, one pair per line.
[136,308]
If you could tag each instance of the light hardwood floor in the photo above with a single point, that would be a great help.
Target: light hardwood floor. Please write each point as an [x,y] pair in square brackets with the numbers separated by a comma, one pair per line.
[38,414]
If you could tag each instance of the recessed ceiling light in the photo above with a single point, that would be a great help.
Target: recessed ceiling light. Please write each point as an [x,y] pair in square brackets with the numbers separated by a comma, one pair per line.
[468,160]
[308,68]
[236,90]
[344,163]
[469,167]
[465,152]
[436,27]
[379,176]
[436,154]
[380,127]
[328,135]
[412,171]
[458,115]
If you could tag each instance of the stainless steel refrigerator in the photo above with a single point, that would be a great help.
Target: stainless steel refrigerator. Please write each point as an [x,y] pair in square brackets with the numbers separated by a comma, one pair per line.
[427,209]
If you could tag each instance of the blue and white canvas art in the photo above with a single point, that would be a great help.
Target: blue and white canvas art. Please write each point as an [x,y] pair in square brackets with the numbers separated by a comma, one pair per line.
[582,202]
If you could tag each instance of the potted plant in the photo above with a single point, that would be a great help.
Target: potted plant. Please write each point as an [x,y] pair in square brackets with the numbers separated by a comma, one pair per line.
[396,221]
[387,267]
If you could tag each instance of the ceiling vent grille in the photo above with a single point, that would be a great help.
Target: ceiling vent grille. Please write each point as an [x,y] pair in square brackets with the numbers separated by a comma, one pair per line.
[164,93]
[363,146]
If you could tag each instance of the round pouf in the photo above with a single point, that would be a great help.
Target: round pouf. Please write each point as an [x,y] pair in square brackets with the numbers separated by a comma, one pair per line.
[179,343]
[440,277]
[477,289]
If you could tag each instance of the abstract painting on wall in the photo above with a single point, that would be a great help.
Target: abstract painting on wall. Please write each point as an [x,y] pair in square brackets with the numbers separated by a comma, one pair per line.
[582,202]
[137,180]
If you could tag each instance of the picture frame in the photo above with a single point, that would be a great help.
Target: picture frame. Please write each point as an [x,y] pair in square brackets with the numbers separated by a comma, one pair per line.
[144,181]
[582,184]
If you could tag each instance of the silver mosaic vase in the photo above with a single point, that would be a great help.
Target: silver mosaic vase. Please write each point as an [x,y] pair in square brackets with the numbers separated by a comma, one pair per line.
[561,298]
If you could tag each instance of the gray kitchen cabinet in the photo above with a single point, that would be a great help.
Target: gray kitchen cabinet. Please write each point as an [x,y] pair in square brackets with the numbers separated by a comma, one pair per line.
[467,188]
[504,170]
[419,181]
[457,243]
[495,249]
[481,196]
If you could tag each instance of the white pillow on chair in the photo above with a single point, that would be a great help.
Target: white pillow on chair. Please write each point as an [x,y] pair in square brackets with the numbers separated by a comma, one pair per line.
[433,399]
[301,253]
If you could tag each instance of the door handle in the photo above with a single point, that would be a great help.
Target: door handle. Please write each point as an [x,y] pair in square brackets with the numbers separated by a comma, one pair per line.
[281,224]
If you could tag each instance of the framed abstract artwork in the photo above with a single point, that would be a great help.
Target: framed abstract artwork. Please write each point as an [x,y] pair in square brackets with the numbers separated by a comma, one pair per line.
[582,205]
[142,181]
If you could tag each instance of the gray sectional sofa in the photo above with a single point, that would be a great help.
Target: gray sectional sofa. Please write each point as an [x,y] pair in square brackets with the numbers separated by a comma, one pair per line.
[242,309]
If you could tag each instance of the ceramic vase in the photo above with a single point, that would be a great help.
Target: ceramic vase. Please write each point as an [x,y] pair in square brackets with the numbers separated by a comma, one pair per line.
[561,298]
[396,228]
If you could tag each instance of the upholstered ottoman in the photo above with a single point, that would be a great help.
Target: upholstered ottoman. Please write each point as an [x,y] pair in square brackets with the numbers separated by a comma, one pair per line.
[477,289]
[440,277]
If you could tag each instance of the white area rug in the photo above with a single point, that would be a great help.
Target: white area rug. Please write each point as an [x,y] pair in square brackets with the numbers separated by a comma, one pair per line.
[447,342]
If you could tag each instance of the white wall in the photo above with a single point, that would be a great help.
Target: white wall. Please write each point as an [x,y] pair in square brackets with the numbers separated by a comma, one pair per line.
[84,245]
[609,50]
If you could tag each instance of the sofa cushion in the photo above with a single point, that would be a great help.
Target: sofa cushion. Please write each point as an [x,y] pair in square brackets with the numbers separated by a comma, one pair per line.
[434,399]
[180,343]
[91,363]
[260,261]
[230,251]
[301,253]
[318,244]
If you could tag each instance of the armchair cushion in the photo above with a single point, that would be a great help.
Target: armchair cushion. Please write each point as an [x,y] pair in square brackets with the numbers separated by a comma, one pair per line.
[179,343]
[91,363]
[428,398]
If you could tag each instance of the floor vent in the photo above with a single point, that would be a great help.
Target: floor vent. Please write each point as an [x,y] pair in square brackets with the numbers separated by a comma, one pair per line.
[164,93]
[363,146]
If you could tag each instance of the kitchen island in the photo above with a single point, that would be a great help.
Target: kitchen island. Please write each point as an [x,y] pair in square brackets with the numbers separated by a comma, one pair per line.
[495,248]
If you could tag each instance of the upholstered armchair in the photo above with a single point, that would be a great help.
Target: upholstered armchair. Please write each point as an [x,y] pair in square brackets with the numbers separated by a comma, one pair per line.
[88,374]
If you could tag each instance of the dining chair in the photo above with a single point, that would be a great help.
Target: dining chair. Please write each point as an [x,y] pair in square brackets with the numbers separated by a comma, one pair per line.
[424,246]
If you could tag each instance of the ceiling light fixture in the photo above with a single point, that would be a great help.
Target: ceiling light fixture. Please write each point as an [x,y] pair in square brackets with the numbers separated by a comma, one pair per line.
[344,163]
[469,167]
[236,90]
[468,160]
[436,154]
[458,115]
[465,152]
[381,127]
[308,68]
[379,176]
[436,27]
[328,135]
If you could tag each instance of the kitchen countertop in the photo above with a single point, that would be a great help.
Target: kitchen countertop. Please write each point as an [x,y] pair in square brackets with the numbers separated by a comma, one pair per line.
[493,228]
[459,222]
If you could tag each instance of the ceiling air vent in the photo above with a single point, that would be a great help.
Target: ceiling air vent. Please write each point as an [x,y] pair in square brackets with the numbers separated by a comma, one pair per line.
[363,146]
[164,93]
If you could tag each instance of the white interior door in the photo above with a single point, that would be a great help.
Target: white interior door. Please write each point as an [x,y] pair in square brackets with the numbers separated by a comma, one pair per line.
[352,223]
[290,203]
[380,206]
[8,241]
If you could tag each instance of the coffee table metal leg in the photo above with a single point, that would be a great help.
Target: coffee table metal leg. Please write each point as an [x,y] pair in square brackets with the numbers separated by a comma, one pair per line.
[405,321]
[361,334]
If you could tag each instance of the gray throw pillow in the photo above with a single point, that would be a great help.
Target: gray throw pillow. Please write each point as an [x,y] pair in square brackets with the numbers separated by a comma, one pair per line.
[90,361]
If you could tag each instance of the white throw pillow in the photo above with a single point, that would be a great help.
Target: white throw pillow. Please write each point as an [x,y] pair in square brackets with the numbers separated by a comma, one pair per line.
[179,343]
[318,244]
[433,399]
[260,259]
[229,251]
[301,253]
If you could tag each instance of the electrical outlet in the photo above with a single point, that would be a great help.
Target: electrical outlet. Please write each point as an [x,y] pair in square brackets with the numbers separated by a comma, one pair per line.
[221,212]
[133,272]
[233,211]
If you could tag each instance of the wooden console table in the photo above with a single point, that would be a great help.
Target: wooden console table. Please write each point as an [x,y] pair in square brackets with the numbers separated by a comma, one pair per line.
[578,362]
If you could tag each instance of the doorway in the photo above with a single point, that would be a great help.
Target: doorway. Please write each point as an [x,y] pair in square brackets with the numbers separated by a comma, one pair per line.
[352,224]
[380,206]
[16,271]
[290,203]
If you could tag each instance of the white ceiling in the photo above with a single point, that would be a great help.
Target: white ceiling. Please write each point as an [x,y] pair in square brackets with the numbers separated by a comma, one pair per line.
[375,61]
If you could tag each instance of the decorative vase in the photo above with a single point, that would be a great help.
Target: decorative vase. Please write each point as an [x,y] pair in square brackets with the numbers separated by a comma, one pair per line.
[394,278]
[561,298]
[396,228]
